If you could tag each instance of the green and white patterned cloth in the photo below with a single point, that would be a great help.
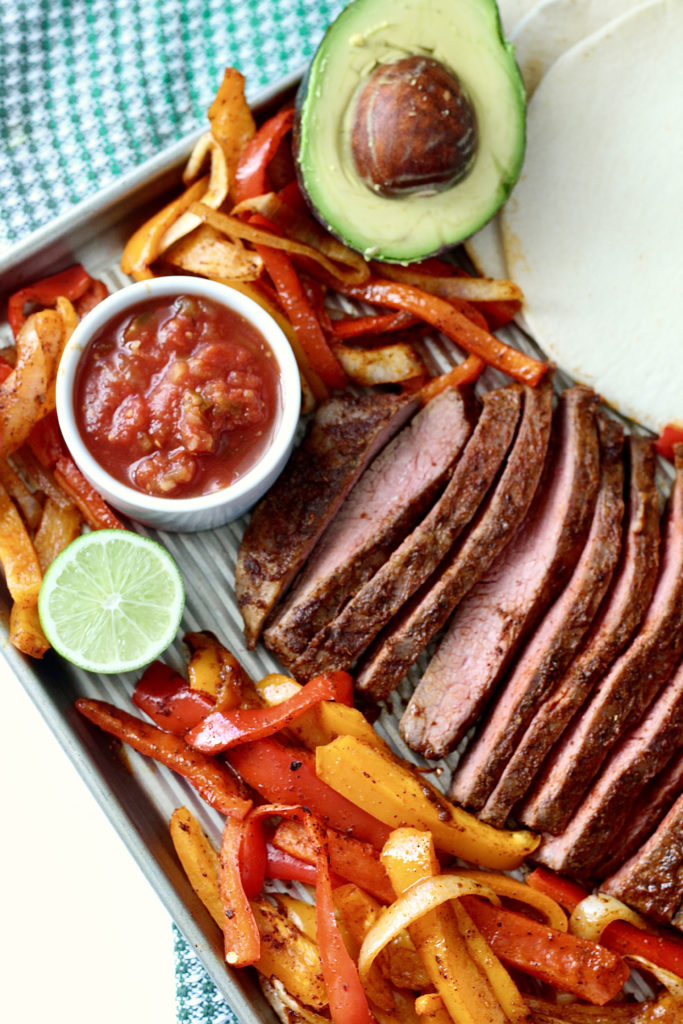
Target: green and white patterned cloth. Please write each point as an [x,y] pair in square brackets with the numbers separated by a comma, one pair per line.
[93,88]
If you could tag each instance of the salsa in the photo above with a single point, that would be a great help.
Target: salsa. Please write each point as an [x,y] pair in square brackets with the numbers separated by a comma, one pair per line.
[177,397]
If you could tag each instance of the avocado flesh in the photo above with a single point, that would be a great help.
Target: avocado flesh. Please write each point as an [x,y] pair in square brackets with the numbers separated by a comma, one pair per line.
[465,36]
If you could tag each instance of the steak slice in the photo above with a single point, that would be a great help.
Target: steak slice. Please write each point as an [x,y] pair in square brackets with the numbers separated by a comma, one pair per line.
[393,493]
[400,644]
[506,601]
[655,801]
[347,636]
[622,695]
[345,434]
[642,753]
[651,881]
[501,751]
[545,809]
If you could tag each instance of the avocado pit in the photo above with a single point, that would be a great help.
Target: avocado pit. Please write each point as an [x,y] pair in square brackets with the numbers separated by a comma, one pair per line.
[413,128]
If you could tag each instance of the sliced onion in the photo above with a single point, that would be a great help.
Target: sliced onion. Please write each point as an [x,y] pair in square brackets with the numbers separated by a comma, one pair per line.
[503,885]
[410,906]
[671,982]
[592,915]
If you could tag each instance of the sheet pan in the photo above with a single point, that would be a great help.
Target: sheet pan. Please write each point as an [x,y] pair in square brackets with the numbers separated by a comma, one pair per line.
[137,794]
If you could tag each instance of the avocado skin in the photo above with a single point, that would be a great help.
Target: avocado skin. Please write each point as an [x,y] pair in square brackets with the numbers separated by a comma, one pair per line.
[466,36]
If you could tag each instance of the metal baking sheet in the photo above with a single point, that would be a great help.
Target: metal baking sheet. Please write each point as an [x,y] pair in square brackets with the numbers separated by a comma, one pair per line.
[137,794]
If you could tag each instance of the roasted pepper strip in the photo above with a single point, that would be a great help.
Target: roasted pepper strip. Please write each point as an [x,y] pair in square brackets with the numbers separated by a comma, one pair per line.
[382,323]
[224,729]
[619,936]
[442,315]
[168,700]
[671,434]
[251,175]
[72,283]
[562,960]
[464,373]
[93,507]
[374,778]
[240,933]
[287,775]
[46,441]
[213,782]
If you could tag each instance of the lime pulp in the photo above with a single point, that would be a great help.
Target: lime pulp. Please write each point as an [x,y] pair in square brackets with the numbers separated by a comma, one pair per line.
[111,601]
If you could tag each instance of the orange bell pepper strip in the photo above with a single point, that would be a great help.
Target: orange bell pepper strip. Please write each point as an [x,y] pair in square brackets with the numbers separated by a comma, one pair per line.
[72,283]
[241,937]
[213,781]
[224,729]
[442,315]
[92,506]
[251,173]
[566,962]
[381,323]
[671,434]
[286,774]
[302,316]
[464,373]
[619,936]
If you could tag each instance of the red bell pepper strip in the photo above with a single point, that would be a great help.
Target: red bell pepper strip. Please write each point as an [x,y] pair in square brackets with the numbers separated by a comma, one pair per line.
[284,866]
[72,283]
[285,774]
[241,939]
[213,781]
[46,441]
[94,295]
[251,173]
[620,936]
[5,369]
[442,315]
[671,435]
[92,506]
[301,315]
[169,701]
[383,323]
[564,961]
[253,856]
[224,729]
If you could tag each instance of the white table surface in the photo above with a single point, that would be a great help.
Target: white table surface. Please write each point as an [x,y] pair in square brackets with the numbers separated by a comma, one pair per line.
[84,937]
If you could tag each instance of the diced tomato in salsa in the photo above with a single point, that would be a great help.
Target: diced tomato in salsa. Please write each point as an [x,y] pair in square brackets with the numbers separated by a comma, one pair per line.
[178,397]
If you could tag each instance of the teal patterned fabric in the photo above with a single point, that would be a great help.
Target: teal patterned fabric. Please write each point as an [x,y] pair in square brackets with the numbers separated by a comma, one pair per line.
[92,88]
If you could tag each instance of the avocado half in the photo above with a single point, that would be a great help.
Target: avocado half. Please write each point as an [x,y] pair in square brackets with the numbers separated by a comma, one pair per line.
[465,37]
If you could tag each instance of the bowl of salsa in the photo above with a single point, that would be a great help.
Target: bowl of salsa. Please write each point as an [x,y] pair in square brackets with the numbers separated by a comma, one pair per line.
[179,399]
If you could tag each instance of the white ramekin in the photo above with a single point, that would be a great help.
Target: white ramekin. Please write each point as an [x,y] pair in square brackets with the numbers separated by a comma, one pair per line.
[206,511]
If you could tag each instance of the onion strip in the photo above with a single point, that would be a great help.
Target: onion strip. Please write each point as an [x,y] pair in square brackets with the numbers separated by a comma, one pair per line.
[593,914]
[503,885]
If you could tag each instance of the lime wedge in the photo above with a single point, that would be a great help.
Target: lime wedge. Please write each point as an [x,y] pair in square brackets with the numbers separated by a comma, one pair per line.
[111,601]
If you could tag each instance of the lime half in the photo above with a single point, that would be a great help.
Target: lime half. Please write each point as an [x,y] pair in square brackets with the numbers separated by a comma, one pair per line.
[111,601]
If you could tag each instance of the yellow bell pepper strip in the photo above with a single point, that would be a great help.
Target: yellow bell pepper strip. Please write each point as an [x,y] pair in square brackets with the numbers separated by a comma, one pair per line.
[199,860]
[215,670]
[286,774]
[299,913]
[18,556]
[430,1009]
[251,174]
[213,781]
[373,778]
[422,907]
[221,730]
[25,631]
[566,962]
[441,314]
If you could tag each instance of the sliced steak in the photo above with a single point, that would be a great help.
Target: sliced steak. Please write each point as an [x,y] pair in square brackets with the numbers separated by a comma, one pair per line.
[655,801]
[506,601]
[622,695]
[500,752]
[617,623]
[347,636]
[596,825]
[651,881]
[390,497]
[400,644]
[344,435]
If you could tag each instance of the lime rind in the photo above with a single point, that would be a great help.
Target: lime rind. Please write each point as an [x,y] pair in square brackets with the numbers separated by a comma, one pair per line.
[112,601]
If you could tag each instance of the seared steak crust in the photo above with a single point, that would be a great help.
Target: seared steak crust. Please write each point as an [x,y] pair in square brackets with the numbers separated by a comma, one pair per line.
[594,830]
[346,432]
[659,861]
[549,806]
[502,750]
[623,694]
[391,496]
[420,554]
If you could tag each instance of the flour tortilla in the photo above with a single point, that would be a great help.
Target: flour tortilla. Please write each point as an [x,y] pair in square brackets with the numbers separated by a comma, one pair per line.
[593,232]
[547,30]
